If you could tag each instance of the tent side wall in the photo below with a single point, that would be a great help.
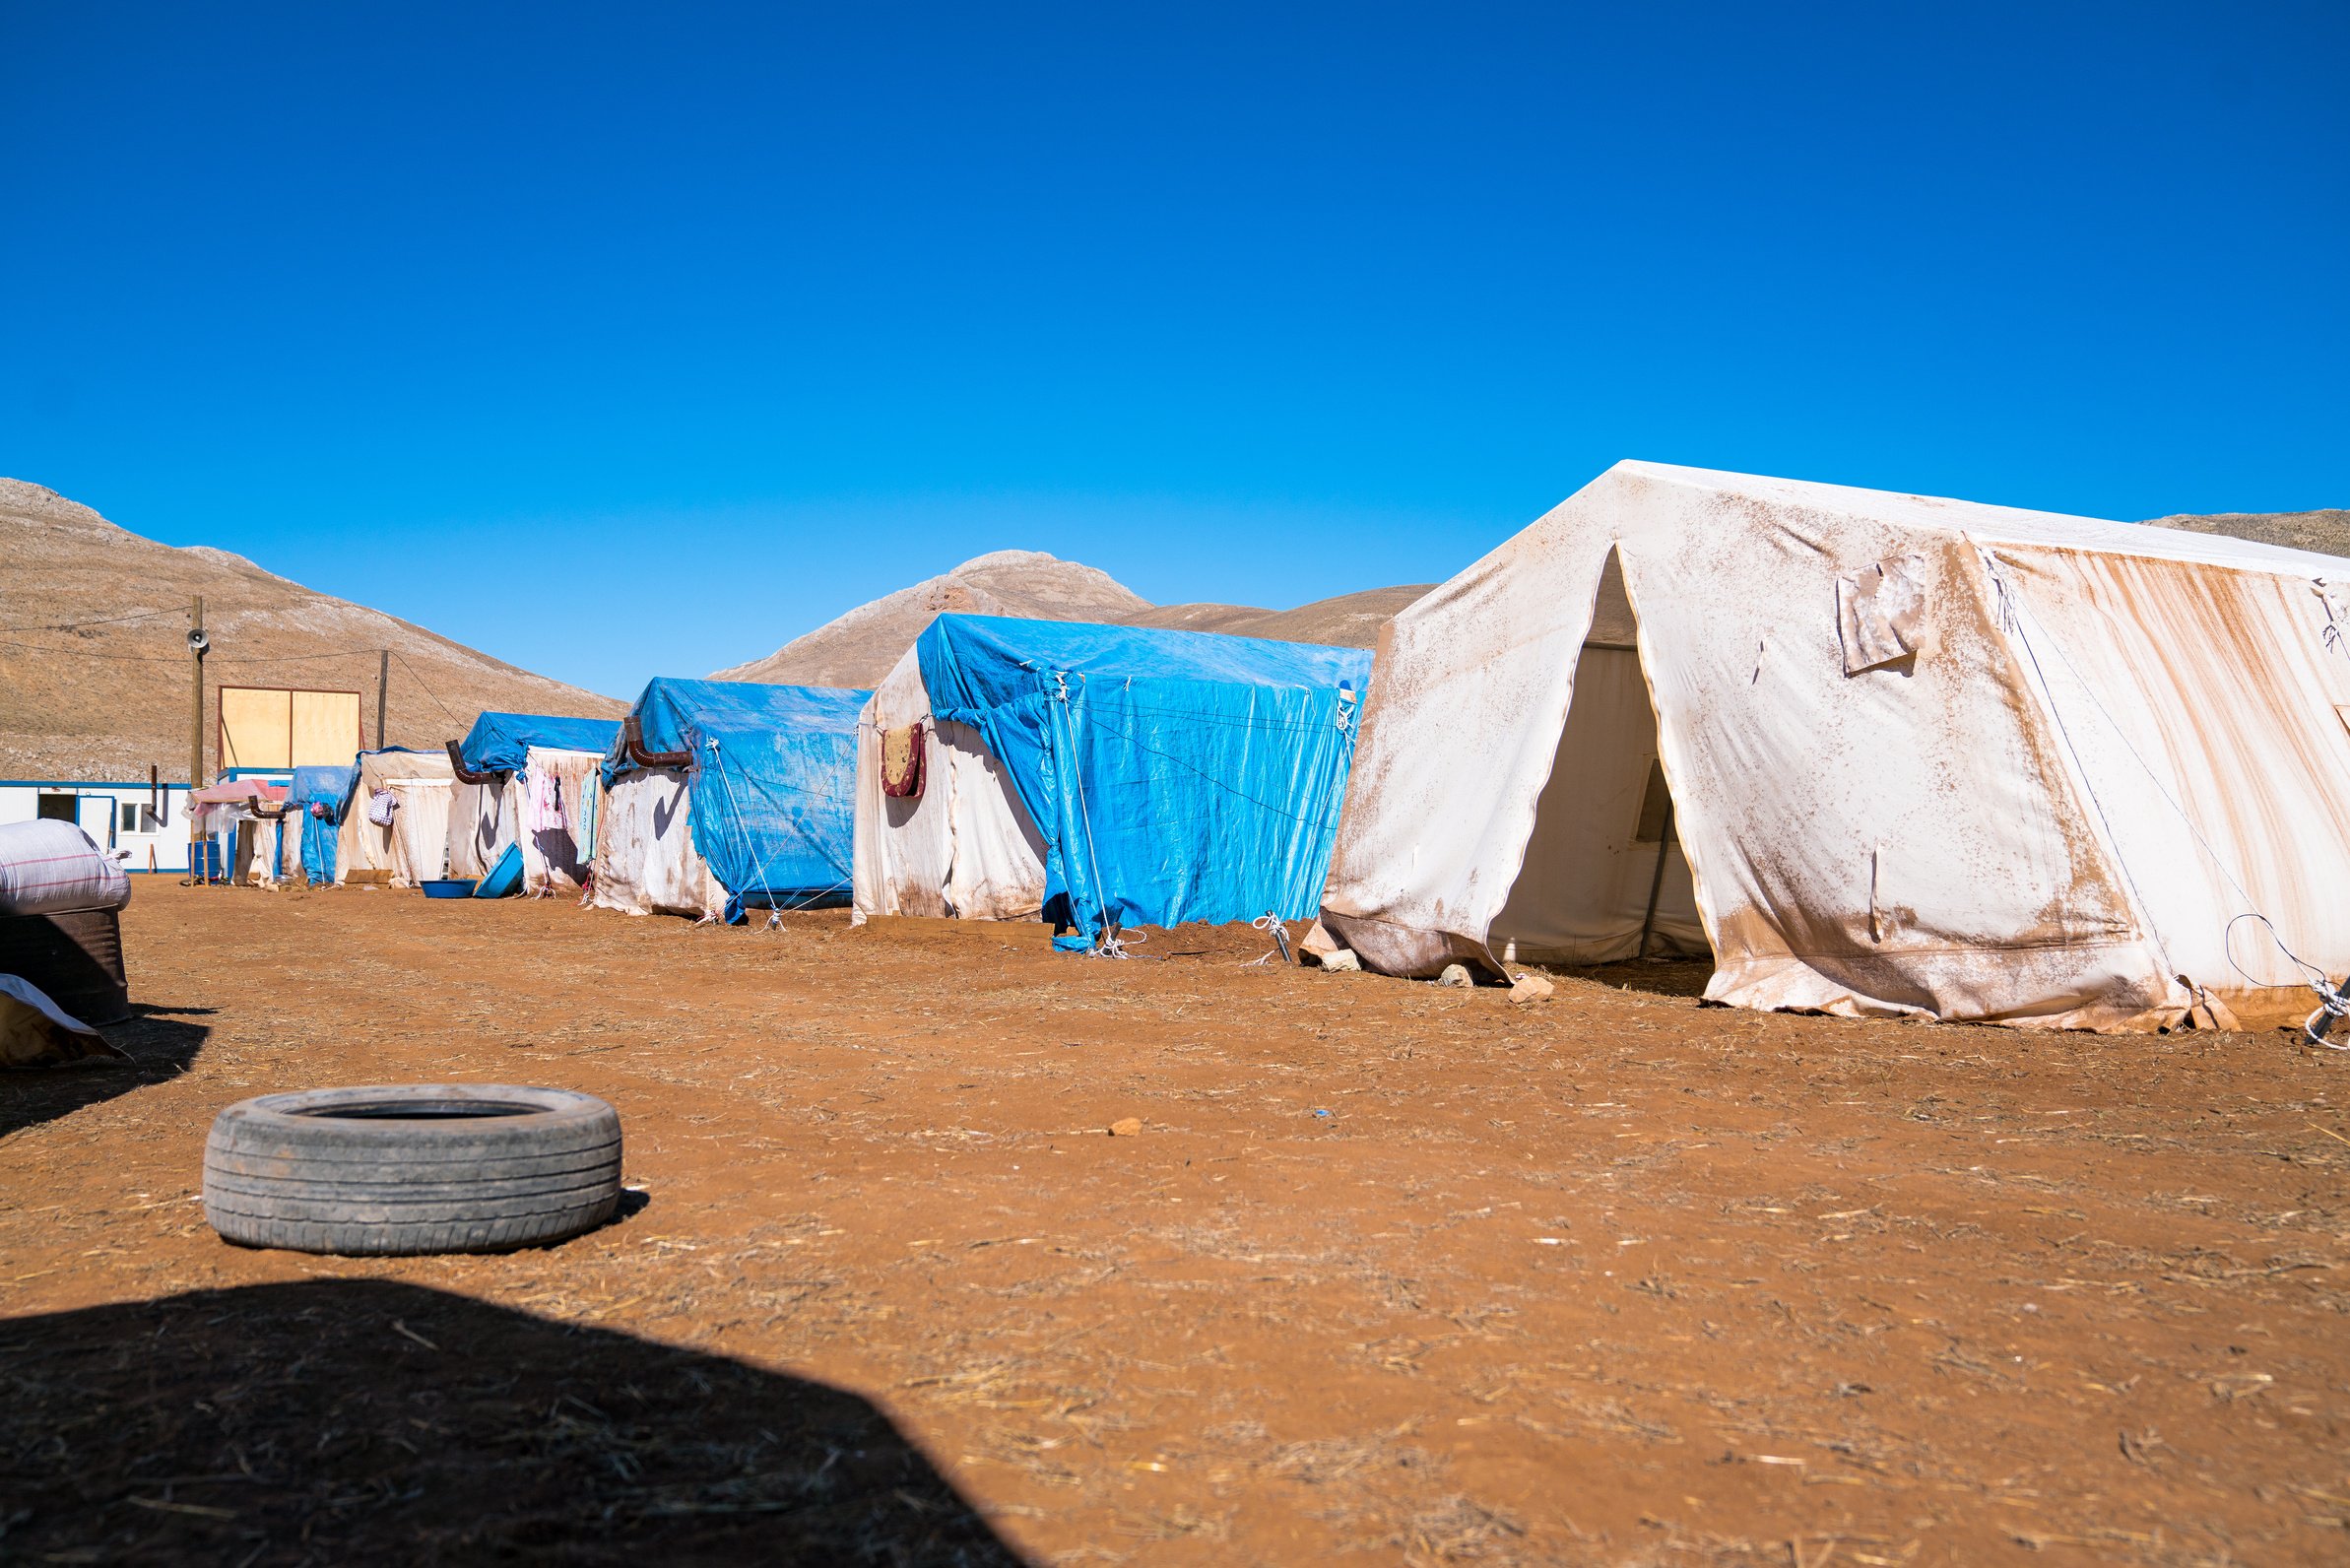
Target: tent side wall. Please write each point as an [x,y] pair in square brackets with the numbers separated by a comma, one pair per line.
[482,823]
[2203,707]
[645,862]
[1468,697]
[1898,837]
[412,848]
[964,846]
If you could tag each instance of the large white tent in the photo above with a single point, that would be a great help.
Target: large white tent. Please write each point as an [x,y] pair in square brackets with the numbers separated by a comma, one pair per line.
[1880,754]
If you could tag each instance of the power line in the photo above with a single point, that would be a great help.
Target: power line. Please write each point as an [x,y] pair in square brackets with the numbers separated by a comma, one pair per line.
[110,621]
[293,658]
[420,681]
[84,653]
[217,658]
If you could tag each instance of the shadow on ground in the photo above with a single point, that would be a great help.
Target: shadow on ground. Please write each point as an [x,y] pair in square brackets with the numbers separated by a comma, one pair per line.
[339,1421]
[161,1043]
[1661,977]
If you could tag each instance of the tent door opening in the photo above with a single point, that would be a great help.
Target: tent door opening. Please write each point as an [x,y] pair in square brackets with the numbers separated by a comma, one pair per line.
[1604,878]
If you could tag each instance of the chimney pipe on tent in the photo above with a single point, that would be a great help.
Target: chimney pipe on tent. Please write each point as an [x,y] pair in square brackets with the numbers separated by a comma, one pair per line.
[465,775]
[633,747]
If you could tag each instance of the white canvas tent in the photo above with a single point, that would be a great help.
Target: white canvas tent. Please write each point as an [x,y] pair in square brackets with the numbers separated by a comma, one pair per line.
[526,782]
[964,847]
[1921,756]
[412,847]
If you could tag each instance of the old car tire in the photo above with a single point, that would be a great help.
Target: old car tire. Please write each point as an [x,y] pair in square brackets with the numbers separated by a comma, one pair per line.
[416,1168]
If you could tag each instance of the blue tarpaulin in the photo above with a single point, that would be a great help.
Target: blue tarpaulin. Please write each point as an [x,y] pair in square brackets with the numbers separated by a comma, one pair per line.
[501,742]
[1174,775]
[330,788]
[772,783]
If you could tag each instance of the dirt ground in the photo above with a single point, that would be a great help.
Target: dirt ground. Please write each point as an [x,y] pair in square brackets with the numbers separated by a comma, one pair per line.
[1391,1272]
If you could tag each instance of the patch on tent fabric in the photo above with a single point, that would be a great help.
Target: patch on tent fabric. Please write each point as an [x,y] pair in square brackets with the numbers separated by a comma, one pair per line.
[901,760]
[1878,612]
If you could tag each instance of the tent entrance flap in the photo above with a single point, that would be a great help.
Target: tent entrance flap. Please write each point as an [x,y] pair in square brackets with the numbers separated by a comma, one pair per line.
[1604,878]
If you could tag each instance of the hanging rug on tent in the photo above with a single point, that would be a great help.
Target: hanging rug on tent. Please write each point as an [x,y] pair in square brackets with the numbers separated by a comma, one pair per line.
[901,760]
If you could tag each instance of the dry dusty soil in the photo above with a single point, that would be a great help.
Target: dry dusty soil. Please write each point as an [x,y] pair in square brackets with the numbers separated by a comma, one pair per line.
[1390,1273]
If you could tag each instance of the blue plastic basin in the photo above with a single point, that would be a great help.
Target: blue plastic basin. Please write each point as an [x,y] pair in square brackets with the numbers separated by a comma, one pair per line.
[448,887]
[503,878]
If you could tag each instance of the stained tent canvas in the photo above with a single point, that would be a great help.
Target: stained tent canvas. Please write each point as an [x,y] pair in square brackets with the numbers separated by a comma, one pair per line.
[528,779]
[722,796]
[1108,776]
[1918,756]
[398,819]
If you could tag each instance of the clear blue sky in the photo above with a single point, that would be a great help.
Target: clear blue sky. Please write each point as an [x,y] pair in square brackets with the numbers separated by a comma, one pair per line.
[633,339]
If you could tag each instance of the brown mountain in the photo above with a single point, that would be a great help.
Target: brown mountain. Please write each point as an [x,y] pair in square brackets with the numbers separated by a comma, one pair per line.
[93,665]
[2327,531]
[860,648]
[1351,620]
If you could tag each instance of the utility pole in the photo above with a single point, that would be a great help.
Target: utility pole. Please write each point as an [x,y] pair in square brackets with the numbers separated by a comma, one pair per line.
[197,643]
[383,679]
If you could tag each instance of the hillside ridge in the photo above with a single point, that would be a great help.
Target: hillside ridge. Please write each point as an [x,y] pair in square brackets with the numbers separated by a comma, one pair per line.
[94,670]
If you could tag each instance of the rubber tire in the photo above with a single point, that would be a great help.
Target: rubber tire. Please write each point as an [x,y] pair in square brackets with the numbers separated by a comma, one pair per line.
[305,1171]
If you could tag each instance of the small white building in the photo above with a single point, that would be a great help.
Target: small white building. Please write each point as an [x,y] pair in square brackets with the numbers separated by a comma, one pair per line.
[149,821]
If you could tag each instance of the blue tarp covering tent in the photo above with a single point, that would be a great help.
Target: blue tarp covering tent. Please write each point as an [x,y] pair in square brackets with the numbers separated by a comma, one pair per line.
[327,788]
[1173,775]
[771,781]
[501,742]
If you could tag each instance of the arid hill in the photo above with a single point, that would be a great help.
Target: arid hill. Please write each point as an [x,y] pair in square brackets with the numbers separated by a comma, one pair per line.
[2327,531]
[1351,620]
[93,665]
[858,649]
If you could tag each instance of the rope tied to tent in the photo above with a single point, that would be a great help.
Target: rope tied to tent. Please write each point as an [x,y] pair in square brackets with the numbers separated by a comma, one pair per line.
[1270,922]
[1107,942]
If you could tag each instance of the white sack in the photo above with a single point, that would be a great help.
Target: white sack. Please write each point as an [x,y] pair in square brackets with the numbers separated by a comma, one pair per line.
[52,868]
